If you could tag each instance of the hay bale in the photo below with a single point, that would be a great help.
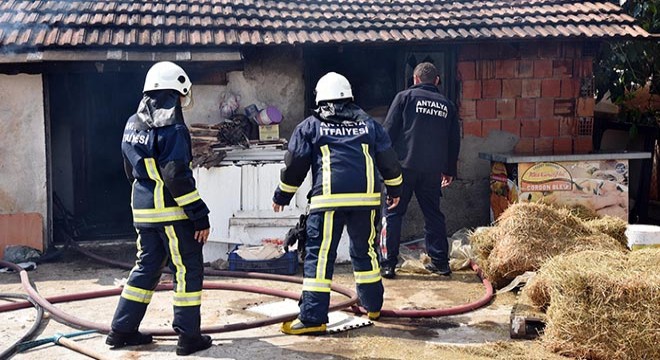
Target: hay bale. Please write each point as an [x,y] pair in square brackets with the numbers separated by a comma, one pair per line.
[612,226]
[603,304]
[537,290]
[482,241]
[528,234]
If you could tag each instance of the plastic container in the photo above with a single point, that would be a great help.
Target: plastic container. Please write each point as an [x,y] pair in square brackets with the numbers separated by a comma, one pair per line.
[269,116]
[643,236]
[286,264]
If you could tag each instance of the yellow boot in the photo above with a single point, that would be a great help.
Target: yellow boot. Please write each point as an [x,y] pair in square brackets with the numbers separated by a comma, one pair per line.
[373,315]
[296,327]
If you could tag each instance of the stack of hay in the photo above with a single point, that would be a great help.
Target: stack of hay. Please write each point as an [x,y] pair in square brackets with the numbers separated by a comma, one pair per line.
[601,304]
[527,234]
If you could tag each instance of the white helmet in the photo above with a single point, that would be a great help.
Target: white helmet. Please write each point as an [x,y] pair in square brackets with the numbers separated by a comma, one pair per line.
[333,86]
[167,75]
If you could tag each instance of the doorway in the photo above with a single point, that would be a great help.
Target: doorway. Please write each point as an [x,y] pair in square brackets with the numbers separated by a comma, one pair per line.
[88,111]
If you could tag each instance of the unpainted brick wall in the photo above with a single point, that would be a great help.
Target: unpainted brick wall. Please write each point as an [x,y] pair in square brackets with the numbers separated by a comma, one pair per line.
[538,91]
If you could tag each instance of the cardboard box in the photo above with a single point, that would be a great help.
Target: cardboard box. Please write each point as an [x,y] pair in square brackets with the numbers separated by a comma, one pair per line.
[269,132]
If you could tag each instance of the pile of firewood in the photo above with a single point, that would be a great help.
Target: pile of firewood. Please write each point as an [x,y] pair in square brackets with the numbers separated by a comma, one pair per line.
[210,140]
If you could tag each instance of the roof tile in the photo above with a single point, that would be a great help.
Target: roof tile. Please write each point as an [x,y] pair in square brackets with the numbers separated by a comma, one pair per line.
[52,23]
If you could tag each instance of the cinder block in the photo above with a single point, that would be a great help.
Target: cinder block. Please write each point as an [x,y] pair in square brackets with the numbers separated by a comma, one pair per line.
[468,110]
[550,87]
[471,89]
[524,146]
[542,68]
[562,145]
[511,88]
[486,109]
[505,69]
[466,70]
[545,107]
[543,146]
[511,126]
[472,127]
[531,88]
[490,125]
[506,108]
[525,108]
[530,128]
[491,88]
[549,127]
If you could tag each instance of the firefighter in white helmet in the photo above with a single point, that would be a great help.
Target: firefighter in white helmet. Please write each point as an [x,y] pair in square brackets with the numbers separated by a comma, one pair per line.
[170,217]
[344,147]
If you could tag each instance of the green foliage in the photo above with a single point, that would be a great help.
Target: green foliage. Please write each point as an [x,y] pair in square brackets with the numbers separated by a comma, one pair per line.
[624,66]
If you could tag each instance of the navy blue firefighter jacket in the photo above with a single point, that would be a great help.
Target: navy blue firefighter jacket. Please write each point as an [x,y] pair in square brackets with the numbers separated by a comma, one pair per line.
[156,147]
[345,149]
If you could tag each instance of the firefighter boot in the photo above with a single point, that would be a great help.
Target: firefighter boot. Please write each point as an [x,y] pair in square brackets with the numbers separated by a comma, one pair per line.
[373,315]
[297,327]
[119,340]
[188,345]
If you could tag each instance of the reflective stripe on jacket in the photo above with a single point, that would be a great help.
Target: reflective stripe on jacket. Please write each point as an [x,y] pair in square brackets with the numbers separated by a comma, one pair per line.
[157,161]
[346,156]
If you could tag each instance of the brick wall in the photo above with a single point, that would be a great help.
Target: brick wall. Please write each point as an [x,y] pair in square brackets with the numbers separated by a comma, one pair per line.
[540,92]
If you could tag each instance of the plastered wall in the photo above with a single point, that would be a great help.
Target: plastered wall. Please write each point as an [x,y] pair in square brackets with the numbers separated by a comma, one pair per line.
[22,146]
[270,77]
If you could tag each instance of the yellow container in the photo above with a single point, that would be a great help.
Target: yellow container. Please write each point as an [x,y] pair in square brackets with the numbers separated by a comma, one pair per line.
[269,132]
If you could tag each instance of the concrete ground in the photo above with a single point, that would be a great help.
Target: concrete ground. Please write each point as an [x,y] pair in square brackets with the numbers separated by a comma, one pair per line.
[482,334]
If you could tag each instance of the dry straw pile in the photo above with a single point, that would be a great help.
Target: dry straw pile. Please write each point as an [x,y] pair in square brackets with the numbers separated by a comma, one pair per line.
[611,226]
[601,304]
[527,234]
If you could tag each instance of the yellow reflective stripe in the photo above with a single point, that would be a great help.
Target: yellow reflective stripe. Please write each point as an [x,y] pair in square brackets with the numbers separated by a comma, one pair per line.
[345,200]
[394,182]
[152,170]
[180,274]
[288,188]
[136,294]
[158,215]
[322,261]
[187,299]
[317,285]
[172,210]
[188,198]
[367,277]
[325,167]
[369,163]
[372,237]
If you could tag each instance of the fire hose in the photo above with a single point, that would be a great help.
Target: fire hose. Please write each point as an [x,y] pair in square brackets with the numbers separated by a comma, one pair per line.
[351,302]
[104,328]
[13,348]
[416,313]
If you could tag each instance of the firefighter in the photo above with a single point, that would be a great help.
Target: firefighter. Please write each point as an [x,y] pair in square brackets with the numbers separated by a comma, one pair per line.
[423,125]
[170,217]
[344,147]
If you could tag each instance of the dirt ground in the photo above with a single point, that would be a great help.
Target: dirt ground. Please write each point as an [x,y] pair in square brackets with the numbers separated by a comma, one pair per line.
[482,334]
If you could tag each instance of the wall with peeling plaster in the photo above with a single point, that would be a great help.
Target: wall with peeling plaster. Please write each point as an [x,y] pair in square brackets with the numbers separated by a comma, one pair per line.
[270,77]
[22,145]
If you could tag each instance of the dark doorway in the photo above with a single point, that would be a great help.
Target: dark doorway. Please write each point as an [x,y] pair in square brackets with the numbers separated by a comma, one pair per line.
[87,116]
[376,73]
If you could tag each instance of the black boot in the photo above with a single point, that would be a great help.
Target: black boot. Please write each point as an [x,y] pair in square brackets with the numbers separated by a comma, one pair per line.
[119,340]
[188,345]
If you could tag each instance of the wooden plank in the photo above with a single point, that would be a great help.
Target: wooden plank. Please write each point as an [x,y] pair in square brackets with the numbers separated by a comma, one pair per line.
[21,229]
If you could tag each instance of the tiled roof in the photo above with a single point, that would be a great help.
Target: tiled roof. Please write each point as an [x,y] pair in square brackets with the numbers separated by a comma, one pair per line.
[51,24]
